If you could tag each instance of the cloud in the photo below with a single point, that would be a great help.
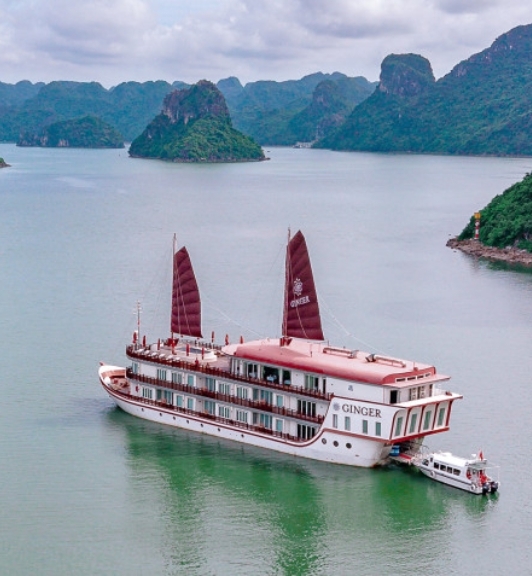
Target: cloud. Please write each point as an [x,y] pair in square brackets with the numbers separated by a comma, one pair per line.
[115,40]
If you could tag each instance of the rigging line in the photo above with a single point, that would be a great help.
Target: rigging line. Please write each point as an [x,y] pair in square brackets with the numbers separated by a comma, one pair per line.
[347,333]
[227,318]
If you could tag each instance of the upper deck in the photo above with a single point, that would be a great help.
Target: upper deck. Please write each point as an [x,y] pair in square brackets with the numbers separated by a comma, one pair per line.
[322,359]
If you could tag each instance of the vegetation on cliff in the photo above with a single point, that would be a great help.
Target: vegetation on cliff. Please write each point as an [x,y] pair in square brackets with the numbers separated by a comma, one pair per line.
[195,126]
[3,163]
[86,132]
[507,219]
[481,107]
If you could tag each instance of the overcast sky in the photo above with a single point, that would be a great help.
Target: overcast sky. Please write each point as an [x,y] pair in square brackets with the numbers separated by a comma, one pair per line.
[111,41]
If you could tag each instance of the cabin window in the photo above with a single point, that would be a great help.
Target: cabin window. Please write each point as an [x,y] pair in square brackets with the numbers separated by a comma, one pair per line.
[190,403]
[421,392]
[456,472]
[427,420]
[436,466]
[209,406]
[252,370]
[190,379]
[135,367]
[279,401]
[266,396]
[161,374]
[270,374]
[287,378]
[394,396]
[364,426]
[378,429]
[306,407]
[179,401]
[412,394]
[242,392]
[398,426]
[224,388]
[347,423]
[224,412]
[305,432]
[177,377]
[413,423]
[210,384]
[158,394]
[279,425]
[266,421]
[147,393]
[311,382]
[168,396]
[242,416]
[441,416]
[335,420]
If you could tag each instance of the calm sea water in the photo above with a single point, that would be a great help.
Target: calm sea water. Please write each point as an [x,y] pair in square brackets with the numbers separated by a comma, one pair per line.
[88,490]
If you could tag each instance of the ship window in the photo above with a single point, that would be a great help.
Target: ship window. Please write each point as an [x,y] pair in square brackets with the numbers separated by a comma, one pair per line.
[224,388]
[241,392]
[147,393]
[427,420]
[190,379]
[456,472]
[242,416]
[279,401]
[413,423]
[209,406]
[270,374]
[311,382]
[393,396]
[266,421]
[161,374]
[364,426]
[224,412]
[378,429]
[413,394]
[347,424]
[168,396]
[177,377]
[399,426]
[266,396]
[278,425]
[287,379]
[158,394]
[436,466]
[255,393]
[210,384]
[441,416]
[252,370]
[305,432]
[306,407]
[335,420]
[190,403]
[179,401]
[135,368]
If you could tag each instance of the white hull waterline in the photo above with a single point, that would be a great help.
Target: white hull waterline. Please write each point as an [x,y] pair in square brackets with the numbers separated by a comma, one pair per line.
[295,394]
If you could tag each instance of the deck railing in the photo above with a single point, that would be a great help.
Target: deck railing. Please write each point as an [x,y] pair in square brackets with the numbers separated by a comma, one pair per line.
[206,415]
[196,366]
[229,398]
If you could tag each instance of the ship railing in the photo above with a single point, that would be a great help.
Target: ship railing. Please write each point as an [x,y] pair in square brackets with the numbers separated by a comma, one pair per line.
[207,415]
[197,366]
[229,398]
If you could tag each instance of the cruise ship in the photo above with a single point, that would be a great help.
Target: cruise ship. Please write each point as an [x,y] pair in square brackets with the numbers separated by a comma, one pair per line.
[295,394]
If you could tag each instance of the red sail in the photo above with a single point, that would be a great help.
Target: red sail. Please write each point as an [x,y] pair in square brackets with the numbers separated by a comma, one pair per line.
[186,305]
[301,317]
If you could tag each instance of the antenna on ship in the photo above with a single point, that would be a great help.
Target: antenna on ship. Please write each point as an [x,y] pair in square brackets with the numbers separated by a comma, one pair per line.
[138,311]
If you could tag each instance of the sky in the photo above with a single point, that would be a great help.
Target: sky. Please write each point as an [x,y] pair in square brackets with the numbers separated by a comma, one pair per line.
[112,41]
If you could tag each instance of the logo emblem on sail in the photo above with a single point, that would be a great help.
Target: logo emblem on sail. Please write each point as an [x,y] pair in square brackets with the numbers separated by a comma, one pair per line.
[298,287]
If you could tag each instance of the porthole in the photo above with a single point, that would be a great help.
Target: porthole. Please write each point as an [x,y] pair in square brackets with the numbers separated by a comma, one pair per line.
[242,435]
[202,425]
[348,445]
[160,414]
[324,441]
[174,417]
[335,443]
[218,429]
[187,422]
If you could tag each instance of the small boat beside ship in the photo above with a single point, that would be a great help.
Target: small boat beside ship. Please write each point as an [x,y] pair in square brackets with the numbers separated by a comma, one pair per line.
[472,474]
[296,394]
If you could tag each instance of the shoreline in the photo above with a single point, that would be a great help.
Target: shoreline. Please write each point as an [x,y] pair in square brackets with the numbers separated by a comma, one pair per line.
[478,250]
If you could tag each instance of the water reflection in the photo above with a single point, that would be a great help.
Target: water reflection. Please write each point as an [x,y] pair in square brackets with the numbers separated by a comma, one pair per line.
[224,508]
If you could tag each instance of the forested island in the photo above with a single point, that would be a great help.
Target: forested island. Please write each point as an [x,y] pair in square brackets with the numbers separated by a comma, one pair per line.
[505,231]
[86,132]
[3,163]
[195,126]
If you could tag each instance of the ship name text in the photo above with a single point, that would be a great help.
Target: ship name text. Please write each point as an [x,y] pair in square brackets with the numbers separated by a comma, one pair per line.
[362,410]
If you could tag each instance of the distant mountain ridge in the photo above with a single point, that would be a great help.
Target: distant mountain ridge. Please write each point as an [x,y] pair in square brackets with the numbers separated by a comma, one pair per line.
[481,107]
[195,126]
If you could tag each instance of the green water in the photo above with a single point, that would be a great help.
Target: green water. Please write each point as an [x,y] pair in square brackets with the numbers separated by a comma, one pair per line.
[87,489]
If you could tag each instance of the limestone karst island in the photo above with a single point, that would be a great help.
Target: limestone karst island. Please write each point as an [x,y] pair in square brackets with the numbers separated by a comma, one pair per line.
[195,126]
